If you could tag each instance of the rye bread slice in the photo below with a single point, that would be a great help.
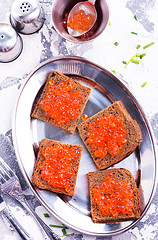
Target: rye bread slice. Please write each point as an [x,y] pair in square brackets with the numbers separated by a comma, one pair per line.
[133,134]
[96,178]
[40,114]
[37,181]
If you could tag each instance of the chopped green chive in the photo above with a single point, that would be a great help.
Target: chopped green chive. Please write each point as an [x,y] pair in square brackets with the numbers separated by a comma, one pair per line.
[116,43]
[67,235]
[129,61]
[46,214]
[64,231]
[148,45]
[109,23]
[133,227]
[58,226]
[143,85]
[142,55]
[113,71]
[138,46]
[135,17]
[124,62]
[135,61]
[134,33]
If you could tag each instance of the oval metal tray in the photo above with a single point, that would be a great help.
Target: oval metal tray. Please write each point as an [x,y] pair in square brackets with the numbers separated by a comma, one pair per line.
[28,132]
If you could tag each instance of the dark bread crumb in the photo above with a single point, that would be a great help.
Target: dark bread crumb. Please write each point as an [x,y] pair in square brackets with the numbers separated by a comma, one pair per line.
[40,114]
[119,173]
[37,181]
[133,134]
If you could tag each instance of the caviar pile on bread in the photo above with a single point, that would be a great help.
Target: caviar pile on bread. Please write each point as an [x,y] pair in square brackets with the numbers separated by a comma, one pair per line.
[113,195]
[109,136]
[56,167]
[61,102]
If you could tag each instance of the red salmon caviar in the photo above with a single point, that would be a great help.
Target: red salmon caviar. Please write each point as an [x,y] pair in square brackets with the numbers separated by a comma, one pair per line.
[62,103]
[85,35]
[114,196]
[81,21]
[57,168]
[107,135]
[84,117]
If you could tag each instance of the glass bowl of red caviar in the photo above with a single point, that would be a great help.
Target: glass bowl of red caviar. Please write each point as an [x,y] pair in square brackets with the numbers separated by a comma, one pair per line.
[60,11]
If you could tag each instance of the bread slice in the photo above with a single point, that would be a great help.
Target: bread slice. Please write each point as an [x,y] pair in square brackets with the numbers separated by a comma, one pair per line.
[38,181]
[96,178]
[134,135]
[57,78]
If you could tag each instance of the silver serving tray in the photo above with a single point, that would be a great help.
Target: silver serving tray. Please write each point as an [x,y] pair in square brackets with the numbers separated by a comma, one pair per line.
[28,132]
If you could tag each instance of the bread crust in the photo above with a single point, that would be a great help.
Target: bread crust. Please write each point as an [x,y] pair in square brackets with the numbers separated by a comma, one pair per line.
[134,135]
[37,181]
[95,178]
[40,114]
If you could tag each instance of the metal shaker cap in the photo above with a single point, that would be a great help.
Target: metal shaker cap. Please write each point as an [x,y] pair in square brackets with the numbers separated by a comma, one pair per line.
[27,16]
[10,43]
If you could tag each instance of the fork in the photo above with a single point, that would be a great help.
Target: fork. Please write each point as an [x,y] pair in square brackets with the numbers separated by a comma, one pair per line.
[10,185]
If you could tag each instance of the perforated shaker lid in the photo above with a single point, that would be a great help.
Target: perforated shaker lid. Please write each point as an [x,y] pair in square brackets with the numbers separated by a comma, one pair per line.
[25,11]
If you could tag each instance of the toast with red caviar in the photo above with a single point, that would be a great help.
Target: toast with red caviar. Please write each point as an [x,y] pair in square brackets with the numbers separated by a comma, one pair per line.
[56,166]
[110,135]
[113,195]
[61,102]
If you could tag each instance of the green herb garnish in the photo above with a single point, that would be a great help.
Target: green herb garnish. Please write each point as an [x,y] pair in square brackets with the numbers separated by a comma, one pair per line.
[135,17]
[64,231]
[134,33]
[148,45]
[133,227]
[63,228]
[143,85]
[142,55]
[69,234]
[116,43]
[129,61]
[46,214]
[113,71]
[138,46]
[58,226]
[124,62]
[135,61]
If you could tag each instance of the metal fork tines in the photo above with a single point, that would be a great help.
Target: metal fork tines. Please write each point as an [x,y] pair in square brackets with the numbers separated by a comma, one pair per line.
[9,182]
[10,185]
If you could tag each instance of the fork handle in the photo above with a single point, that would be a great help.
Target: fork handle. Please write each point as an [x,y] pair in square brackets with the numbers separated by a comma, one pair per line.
[44,228]
[21,231]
